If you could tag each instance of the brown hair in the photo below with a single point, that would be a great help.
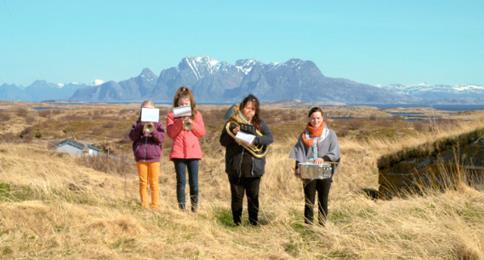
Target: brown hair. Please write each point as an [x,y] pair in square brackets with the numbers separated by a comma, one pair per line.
[315,109]
[256,121]
[185,92]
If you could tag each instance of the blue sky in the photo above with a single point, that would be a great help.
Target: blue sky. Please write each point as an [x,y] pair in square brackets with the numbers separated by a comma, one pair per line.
[375,42]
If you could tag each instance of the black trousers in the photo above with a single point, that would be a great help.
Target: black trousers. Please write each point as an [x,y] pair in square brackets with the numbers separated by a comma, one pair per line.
[310,189]
[251,188]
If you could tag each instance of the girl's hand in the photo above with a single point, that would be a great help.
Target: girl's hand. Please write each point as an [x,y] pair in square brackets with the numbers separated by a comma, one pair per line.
[319,161]
[187,119]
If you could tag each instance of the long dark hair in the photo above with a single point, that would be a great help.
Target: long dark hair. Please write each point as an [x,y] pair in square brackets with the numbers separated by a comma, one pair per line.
[256,121]
[185,92]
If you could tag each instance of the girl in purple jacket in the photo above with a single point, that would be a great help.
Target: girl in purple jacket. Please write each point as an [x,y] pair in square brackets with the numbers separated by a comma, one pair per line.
[147,143]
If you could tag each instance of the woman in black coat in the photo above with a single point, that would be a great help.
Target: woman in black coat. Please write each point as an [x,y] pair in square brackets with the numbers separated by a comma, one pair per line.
[243,169]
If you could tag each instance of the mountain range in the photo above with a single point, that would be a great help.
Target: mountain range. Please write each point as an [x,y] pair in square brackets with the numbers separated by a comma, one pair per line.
[440,93]
[39,90]
[214,81]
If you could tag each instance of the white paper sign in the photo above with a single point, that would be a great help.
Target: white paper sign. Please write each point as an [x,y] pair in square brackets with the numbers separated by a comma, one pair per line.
[248,138]
[150,115]
[182,111]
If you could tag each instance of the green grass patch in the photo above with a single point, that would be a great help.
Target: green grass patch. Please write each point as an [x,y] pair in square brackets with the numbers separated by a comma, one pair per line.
[17,193]
[343,254]
[301,228]
[470,213]
[161,220]
[224,217]
[293,248]
[131,204]
[339,217]
[6,251]
[418,212]
[74,197]
[124,244]
[10,192]
[366,213]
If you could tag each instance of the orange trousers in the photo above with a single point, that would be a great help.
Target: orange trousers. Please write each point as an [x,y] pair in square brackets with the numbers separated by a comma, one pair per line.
[148,175]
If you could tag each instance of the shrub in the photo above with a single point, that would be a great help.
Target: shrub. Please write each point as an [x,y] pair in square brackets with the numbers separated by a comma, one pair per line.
[4,117]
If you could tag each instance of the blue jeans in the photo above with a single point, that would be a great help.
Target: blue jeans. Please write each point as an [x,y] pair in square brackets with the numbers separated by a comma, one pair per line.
[180,166]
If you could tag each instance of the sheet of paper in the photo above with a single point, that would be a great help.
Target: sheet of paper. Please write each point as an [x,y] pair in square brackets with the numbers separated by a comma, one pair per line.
[248,138]
[182,111]
[150,115]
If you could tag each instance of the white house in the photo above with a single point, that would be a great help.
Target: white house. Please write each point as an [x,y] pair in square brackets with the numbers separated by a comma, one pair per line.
[76,148]
[93,150]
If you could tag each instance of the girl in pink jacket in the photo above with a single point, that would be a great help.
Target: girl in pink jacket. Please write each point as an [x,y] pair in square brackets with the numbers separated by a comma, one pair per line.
[185,131]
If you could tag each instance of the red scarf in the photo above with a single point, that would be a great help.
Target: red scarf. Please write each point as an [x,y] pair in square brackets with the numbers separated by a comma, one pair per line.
[313,132]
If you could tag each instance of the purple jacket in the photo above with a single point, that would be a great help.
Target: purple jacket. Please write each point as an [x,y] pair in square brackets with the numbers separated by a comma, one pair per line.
[147,148]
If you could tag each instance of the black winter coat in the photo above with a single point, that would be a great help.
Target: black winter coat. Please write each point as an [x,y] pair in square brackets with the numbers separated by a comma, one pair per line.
[235,152]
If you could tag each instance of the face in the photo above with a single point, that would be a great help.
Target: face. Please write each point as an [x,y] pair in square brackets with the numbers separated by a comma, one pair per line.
[249,110]
[184,101]
[316,119]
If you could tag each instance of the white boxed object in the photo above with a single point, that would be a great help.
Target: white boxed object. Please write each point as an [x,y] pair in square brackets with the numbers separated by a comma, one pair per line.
[182,111]
[150,115]
[248,138]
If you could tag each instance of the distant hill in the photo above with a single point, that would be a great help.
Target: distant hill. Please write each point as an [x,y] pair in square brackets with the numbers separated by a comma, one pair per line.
[39,90]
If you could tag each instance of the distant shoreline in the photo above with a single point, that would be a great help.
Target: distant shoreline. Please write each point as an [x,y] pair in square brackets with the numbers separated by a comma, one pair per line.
[443,107]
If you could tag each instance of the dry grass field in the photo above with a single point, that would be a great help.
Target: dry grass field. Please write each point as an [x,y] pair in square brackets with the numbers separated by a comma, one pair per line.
[54,206]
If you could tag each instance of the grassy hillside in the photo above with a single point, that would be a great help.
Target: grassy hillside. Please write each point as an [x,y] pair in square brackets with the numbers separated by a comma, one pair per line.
[56,206]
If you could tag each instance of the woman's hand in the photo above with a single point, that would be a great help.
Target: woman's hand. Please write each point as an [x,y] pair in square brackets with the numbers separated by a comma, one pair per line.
[236,130]
[319,161]
[297,172]
[241,142]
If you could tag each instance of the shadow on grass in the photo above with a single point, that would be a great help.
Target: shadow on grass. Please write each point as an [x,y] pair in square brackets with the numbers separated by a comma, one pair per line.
[371,193]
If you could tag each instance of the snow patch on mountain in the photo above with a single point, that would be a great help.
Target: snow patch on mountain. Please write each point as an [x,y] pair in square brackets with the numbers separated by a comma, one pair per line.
[202,66]
[98,82]
[245,66]
[425,87]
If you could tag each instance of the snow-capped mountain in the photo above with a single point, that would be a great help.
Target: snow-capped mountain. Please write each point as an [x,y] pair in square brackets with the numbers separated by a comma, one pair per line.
[216,81]
[469,88]
[441,93]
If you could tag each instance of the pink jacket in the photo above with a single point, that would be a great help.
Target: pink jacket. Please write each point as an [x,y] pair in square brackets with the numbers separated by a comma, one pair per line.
[186,144]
